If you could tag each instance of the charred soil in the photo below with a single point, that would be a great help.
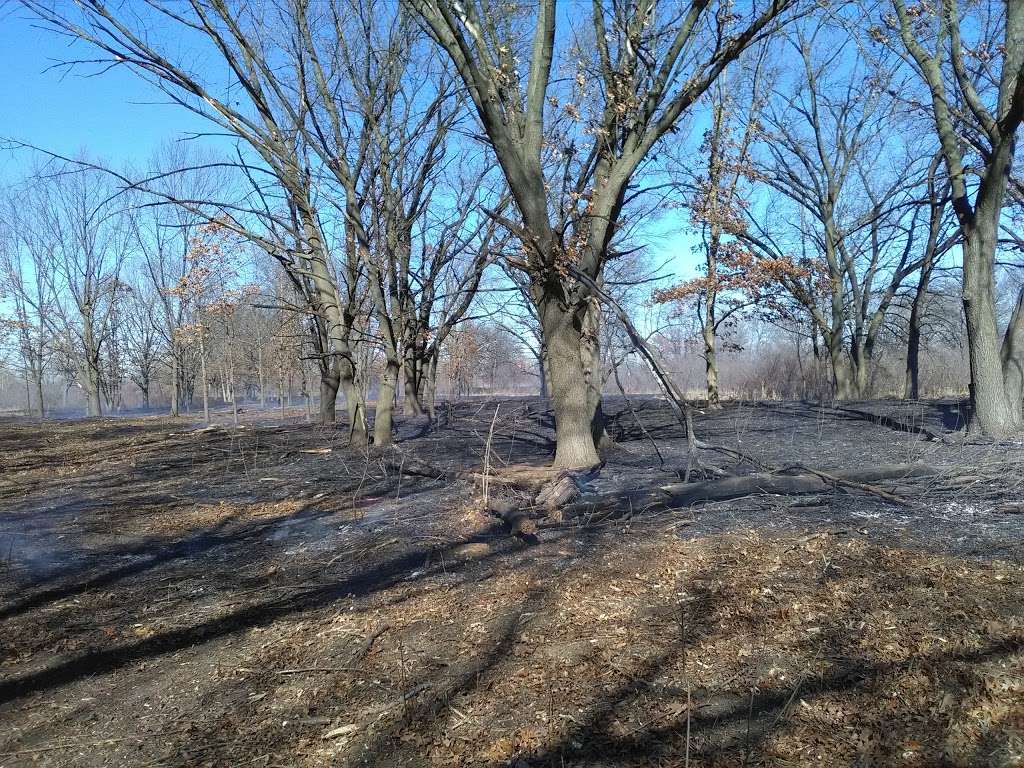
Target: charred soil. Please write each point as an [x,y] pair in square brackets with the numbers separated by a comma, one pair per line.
[265,596]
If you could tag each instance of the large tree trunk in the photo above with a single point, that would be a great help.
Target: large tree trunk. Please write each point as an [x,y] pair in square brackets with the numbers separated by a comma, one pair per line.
[842,375]
[912,376]
[94,403]
[575,401]
[382,421]
[992,413]
[412,370]
[860,364]
[1013,359]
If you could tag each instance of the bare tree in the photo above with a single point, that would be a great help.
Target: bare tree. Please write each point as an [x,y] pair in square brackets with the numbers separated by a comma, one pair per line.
[939,239]
[730,281]
[973,68]
[25,283]
[569,172]
[82,239]
[847,186]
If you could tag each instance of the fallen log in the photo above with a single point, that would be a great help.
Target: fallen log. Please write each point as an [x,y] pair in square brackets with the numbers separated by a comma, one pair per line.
[685,494]
[887,472]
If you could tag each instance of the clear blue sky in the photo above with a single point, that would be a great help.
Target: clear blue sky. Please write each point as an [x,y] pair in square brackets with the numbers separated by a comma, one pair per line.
[114,116]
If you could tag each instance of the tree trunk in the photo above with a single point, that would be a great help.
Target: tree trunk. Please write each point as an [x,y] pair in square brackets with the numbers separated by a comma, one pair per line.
[231,387]
[205,382]
[382,421]
[912,377]
[992,413]
[542,371]
[355,404]
[329,382]
[92,389]
[40,404]
[1013,359]
[429,383]
[37,379]
[262,382]
[412,370]
[842,377]
[860,366]
[577,416]
[175,383]
[711,363]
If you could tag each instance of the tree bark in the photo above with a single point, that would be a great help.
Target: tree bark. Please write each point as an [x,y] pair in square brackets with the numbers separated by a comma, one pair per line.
[412,370]
[329,382]
[382,421]
[711,361]
[912,378]
[40,405]
[993,414]
[206,380]
[1013,359]
[842,375]
[577,411]
[430,386]
[175,382]
[262,378]
[542,372]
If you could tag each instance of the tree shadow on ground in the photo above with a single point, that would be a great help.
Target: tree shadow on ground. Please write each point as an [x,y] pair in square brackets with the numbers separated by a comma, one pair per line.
[260,612]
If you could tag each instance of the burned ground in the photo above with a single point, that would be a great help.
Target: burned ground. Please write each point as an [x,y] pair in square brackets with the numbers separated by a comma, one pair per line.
[263,596]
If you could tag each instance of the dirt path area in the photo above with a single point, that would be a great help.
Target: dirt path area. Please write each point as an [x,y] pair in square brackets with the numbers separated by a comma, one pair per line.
[172,596]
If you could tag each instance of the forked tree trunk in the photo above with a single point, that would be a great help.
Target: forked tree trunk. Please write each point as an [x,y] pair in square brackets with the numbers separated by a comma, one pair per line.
[382,422]
[577,410]
[860,362]
[842,377]
[355,405]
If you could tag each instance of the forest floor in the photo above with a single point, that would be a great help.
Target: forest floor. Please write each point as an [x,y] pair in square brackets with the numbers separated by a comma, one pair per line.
[264,596]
